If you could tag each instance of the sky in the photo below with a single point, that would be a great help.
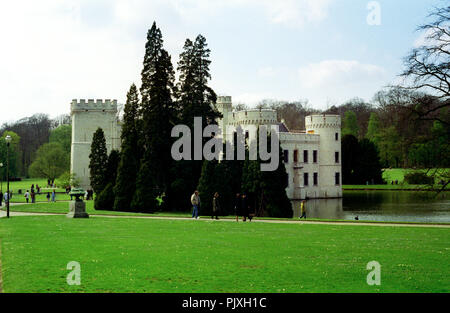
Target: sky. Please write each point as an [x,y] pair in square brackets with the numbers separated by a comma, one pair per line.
[325,51]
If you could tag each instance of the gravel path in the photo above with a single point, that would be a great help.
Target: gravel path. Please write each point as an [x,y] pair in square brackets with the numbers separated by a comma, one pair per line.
[3,214]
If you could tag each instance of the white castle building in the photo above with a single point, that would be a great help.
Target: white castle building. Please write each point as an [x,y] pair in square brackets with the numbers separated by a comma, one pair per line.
[312,157]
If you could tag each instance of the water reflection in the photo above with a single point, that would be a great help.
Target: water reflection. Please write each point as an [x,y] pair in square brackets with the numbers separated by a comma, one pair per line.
[400,206]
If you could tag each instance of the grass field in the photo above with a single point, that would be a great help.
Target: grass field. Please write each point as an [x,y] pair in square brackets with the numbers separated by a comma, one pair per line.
[134,255]
[390,175]
[25,184]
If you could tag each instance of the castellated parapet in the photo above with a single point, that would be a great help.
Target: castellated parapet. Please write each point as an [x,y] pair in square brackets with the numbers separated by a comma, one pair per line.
[91,105]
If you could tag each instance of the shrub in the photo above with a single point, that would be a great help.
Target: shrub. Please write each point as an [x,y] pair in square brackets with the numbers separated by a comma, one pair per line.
[105,200]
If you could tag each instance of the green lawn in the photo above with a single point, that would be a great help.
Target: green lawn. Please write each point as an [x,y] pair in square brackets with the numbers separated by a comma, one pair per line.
[134,255]
[393,174]
[25,184]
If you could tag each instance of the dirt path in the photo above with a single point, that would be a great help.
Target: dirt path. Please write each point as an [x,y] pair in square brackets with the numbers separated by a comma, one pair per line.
[3,214]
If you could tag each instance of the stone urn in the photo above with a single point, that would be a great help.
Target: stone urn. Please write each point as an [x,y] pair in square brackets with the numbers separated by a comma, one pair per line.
[77,208]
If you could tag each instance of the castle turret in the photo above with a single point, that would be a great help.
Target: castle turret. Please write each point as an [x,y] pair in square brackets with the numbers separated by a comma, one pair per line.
[87,116]
[330,169]
[224,106]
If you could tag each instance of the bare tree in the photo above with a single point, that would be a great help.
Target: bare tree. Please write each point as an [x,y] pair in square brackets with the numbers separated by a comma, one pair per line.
[428,66]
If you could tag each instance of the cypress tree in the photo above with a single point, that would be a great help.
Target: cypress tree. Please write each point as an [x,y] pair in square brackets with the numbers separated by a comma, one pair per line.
[129,157]
[195,99]
[207,186]
[105,199]
[159,115]
[274,186]
[98,161]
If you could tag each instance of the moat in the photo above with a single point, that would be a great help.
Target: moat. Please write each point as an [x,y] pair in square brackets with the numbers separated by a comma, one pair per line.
[388,206]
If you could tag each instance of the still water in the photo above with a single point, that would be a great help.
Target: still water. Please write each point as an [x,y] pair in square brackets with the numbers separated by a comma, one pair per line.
[392,206]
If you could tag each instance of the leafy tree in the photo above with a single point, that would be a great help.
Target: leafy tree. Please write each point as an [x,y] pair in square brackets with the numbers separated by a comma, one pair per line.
[389,147]
[158,117]
[62,135]
[33,131]
[373,128]
[350,124]
[51,161]
[98,161]
[14,154]
[67,179]
[130,155]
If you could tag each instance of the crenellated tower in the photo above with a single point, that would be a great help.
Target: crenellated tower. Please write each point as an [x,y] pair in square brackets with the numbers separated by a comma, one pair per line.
[87,116]
[330,158]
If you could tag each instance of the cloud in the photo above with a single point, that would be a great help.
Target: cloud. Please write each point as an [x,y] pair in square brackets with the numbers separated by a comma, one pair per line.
[339,80]
[292,13]
[340,72]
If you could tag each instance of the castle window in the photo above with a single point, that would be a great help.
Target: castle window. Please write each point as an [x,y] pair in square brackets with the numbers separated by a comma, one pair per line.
[336,136]
[316,179]
[286,156]
[295,156]
[336,157]
[305,156]
[337,179]
[246,134]
[305,179]
[315,156]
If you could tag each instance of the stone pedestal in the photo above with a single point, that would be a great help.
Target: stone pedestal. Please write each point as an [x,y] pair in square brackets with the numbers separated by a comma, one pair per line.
[77,209]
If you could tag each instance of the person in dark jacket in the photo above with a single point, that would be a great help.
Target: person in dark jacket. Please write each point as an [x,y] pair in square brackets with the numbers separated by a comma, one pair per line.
[244,207]
[237,206]
[216,206]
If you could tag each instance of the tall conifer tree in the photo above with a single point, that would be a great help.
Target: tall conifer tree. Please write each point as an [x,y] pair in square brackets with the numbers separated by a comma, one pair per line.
[158,117]
[196,99]
[98,161]
[129,157]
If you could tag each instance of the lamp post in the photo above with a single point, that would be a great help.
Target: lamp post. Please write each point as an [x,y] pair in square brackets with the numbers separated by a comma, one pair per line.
[8,141]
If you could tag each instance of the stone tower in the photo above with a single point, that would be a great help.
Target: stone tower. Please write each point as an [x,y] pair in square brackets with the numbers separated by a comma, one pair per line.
[87,116]
[330,169]
[225,107]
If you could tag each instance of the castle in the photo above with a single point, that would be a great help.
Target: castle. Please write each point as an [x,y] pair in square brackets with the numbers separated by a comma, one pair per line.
[312,157]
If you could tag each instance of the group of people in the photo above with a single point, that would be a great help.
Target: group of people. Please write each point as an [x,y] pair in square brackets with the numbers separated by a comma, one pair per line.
[32,194]
[241,207]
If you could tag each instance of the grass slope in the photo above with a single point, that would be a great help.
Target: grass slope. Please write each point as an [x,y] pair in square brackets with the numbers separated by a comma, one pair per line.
[133,255]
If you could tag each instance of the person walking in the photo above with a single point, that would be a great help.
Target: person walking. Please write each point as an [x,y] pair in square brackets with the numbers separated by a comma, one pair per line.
[303,209]
[6,198]
[237,206]
[53,196]
[244,207]
[216,206]
[27,196]
[33,196]
[195,200]
[48,196]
